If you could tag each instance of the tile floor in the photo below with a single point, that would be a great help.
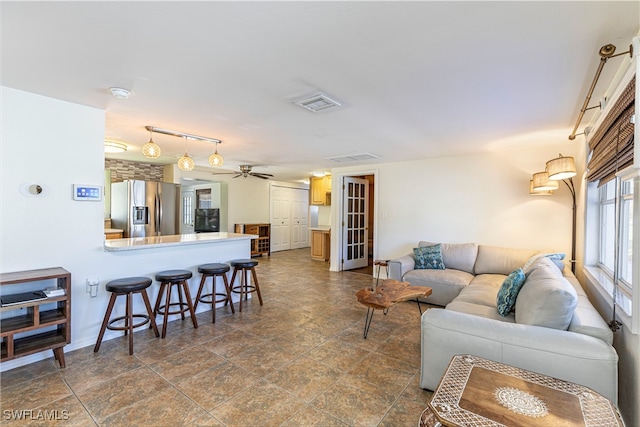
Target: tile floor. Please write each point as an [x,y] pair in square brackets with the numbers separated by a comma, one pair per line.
[299,360]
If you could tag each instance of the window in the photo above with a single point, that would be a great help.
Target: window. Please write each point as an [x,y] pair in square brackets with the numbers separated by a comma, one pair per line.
[615,240]
[203,198]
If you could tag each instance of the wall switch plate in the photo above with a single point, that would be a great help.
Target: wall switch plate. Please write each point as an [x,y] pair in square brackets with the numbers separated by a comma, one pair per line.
[92,287]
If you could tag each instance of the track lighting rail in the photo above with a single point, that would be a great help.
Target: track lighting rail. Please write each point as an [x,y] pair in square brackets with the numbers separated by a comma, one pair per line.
[182,134]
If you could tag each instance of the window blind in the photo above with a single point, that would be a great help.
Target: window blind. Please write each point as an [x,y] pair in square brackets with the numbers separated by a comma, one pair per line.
[611,146]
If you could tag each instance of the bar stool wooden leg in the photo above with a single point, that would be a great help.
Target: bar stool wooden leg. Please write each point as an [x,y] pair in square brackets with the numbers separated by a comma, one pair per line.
[152,319]
[187,295]
[105,322]
[129,322]
[256,284]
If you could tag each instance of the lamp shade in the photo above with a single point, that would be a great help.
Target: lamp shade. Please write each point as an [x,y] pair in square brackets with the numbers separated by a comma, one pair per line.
[151,149]
[216,159]
[186,163]
[541,182]
[534,192]
[561,168]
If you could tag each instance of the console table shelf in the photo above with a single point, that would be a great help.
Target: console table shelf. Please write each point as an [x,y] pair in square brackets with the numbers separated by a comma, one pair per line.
[52,313]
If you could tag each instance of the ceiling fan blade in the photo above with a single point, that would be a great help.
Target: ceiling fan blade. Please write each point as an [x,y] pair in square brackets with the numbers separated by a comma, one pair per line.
[223,173]
[260,174]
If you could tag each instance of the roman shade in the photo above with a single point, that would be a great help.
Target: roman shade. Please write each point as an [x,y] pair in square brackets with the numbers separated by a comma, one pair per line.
[611,145]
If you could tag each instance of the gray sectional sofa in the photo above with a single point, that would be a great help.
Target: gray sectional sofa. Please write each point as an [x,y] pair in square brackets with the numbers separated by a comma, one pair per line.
[553,330]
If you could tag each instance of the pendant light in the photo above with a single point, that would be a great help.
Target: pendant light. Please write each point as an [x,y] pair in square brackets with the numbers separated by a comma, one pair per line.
[151,149]
[185,162]
[216,159]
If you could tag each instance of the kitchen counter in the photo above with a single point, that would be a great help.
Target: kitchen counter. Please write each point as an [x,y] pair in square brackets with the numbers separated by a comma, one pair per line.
[137,243]
[326,228]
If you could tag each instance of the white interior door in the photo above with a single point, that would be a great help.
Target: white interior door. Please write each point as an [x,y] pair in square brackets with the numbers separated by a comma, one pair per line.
[355,201]
[280,219]
[299,218]
[188,212]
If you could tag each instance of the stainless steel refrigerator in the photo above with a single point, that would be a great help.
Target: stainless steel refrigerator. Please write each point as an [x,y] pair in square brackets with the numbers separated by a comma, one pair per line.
[145,208]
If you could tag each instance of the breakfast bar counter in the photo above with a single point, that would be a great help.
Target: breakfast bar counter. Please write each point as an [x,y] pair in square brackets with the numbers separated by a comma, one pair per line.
[137,243]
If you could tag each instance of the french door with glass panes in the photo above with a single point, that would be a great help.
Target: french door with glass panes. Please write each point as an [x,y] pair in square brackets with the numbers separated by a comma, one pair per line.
[355,245]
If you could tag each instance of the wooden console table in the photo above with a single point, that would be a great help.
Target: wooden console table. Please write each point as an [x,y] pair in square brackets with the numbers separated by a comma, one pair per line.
[53,313]
[483,393]
[389,293]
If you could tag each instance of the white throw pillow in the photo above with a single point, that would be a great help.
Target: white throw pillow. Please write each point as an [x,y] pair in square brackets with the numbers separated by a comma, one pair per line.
[546,298]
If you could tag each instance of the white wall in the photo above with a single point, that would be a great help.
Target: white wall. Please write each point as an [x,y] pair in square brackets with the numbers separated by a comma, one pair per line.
[56,144]
[481,198]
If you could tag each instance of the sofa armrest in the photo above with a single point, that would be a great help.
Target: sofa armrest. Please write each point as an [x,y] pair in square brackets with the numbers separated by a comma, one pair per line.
[400,266]
[570,356]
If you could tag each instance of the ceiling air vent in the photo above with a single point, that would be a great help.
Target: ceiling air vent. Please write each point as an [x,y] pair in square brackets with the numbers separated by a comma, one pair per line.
[353,158]
[318,102]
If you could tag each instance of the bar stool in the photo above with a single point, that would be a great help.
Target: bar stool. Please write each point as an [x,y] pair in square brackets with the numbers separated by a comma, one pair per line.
[214,270]
[244,289]
[127,286]
[169,279]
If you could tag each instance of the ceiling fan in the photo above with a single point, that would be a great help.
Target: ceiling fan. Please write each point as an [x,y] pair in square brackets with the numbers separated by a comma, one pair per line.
[245,171]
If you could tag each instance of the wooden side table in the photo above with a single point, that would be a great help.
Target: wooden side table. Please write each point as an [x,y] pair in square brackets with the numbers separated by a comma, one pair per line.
[389,293]
[480,392]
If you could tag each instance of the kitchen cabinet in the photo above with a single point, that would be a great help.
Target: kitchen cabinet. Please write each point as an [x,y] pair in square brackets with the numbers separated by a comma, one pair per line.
[42,324]
[320,245]
[321,191]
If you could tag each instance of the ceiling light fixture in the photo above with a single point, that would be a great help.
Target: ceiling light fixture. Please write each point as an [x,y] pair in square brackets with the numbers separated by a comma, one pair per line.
[216,159]
[120,93]
[151,149]
[185,162]
[114,147]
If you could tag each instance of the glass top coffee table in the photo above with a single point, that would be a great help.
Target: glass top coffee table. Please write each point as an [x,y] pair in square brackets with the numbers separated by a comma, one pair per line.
[479,392]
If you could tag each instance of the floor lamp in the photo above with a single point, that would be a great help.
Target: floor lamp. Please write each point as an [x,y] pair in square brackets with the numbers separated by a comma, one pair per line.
[545,183]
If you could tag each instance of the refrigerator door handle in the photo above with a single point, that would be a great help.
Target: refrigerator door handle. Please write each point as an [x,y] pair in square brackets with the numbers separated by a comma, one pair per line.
[158,214]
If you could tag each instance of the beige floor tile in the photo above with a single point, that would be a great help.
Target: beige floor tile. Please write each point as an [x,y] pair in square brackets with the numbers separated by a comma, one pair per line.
[26,373]
[312,417]
[305,378]
[35,393]
[215,385]
[263,404]
[154,411]
[338,354]
[355,402]
[186,363]
[404,412]
[121,392]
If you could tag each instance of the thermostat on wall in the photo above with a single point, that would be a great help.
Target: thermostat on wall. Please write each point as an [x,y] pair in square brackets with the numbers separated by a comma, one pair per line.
[87,192]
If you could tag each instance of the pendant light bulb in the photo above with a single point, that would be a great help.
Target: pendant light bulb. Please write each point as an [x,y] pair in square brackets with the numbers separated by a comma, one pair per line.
[185,162]
[151,150]
[216,159]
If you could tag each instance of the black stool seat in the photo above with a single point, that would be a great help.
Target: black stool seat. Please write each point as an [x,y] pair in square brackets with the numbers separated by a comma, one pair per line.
[128,284]
[173,275]
[127,287]
[244,266]
[213,268]
[168,279]
[244,263]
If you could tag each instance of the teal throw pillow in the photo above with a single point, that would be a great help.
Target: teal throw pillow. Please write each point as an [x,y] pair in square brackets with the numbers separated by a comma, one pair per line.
[509,292]
[428,257]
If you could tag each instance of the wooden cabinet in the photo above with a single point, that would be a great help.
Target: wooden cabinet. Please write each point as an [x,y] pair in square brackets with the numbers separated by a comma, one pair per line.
[320,245]
[261,245]
[321,190]
[40,325]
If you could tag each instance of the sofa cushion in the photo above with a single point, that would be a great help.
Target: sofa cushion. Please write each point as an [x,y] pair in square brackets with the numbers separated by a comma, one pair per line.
[479,310]
[445,284]
[482,290]
[428,257]
[557,258]
[497,260]
[546,298]
[508,292]
[457,256]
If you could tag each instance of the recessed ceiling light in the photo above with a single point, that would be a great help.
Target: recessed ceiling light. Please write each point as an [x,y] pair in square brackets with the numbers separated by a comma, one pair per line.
[119,92]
